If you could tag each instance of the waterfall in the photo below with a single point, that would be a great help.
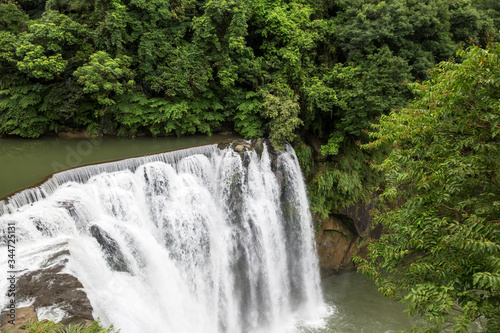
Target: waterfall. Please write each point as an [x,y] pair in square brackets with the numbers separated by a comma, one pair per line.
[197,240]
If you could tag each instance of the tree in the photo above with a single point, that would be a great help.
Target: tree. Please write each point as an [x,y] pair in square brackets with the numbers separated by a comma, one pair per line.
[281,107]
[104,75]
[441,204]
[324,68]
[415,30]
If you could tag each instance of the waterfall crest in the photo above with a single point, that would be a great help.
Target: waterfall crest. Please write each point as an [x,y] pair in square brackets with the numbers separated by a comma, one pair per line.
[198,240]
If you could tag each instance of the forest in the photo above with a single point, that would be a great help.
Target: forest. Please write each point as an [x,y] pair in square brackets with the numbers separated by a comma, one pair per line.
[397,98]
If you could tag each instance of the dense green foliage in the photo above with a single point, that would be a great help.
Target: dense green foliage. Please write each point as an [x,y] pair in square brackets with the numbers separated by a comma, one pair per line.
[441,253]
[264,66]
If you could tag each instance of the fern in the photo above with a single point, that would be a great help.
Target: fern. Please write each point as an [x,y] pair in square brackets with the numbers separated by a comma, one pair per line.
[20,113]
[162,117]
[246,119]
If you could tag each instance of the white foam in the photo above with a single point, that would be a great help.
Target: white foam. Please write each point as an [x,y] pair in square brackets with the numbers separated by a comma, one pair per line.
[210,243]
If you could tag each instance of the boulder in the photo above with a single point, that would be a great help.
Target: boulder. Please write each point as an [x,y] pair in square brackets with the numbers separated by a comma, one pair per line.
[239,148]
[50,287]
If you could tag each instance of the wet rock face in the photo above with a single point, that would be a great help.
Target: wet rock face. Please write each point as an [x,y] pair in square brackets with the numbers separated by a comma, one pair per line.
[113,254]
[339,239]
[50,287]
[360,215]
[336,244]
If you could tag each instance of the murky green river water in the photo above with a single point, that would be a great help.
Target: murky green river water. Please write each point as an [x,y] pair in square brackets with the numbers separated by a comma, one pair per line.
[25,162]
[360,308]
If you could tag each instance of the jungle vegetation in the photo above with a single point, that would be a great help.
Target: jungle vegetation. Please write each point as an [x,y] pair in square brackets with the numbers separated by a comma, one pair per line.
[441,201]
[287,69]
[398,97]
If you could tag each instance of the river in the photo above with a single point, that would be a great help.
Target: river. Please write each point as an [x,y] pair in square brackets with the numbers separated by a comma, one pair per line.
[360,308]
[24,162]
[353,303]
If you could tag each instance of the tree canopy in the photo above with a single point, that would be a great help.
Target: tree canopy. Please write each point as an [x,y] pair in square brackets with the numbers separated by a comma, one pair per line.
[441,252]
[283,67]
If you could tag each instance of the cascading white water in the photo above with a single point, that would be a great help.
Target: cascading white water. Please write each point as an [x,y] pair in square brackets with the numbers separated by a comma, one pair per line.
[200,240]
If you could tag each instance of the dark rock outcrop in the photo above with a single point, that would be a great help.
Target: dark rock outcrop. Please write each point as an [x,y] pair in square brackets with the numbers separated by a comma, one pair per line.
[49,287]
[112,253]
[341,237]
[360,216]
[316,144]
[336,244]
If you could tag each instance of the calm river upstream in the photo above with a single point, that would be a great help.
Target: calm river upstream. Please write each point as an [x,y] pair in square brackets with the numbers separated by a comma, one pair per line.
[24,162]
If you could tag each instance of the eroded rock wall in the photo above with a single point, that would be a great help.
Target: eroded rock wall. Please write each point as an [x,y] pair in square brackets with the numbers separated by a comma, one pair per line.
[340,237]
